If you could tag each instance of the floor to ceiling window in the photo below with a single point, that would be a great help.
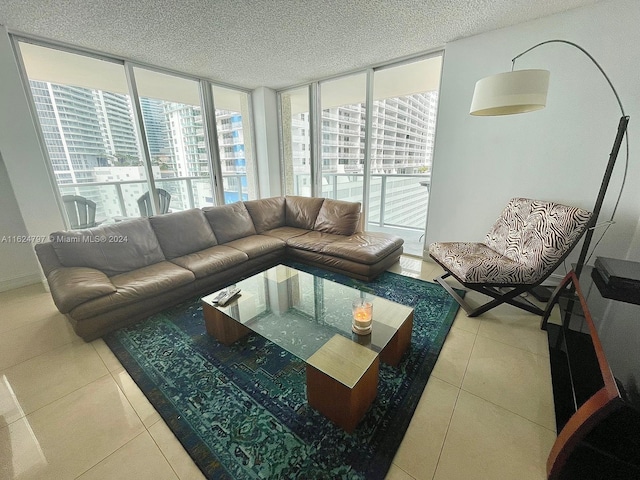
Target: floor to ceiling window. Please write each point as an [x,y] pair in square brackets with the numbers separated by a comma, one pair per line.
[405,102]
[97,155]
[402,121]
[342,136]
[86,117]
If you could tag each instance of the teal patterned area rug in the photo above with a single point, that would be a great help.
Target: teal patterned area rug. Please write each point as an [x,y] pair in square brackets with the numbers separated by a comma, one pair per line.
[241,411]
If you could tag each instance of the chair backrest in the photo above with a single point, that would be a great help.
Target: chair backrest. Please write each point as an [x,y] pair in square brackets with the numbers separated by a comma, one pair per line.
[537,233]
[144,203]
[81,211]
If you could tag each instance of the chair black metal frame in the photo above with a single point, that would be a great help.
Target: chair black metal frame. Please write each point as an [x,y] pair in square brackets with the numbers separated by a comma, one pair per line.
[499,297]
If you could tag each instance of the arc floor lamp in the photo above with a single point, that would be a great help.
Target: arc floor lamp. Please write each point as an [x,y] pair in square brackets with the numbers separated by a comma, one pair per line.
[520,91]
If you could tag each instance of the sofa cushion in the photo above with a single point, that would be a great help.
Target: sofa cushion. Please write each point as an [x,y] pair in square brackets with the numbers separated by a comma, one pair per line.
[112,249]
[211,260]
[302,212]
[267,213]
[285,233]
[313,241]
[338,217]
[71,286]
[183,232]
[365,247]
[256,245]
[230,222]
[131,287]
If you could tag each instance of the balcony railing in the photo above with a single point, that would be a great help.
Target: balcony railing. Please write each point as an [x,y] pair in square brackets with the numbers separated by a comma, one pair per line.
[396,200]
[119,199]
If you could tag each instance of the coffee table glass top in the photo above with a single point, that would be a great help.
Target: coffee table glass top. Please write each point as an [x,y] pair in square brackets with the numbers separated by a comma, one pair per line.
[301,312]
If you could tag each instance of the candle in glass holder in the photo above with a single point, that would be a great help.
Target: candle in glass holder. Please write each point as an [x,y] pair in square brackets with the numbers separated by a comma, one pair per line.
[362,313]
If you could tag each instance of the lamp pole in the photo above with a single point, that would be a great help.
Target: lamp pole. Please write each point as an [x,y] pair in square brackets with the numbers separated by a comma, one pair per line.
[622,128]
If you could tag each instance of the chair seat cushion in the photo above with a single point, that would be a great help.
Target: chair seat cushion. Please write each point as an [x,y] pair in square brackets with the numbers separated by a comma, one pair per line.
[477,263]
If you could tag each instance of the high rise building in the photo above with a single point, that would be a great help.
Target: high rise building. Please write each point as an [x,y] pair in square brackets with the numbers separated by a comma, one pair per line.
[155,125]
[72,130]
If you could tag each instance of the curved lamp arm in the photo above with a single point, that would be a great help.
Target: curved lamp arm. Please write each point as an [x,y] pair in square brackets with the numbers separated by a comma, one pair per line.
[513,63]
[622,133]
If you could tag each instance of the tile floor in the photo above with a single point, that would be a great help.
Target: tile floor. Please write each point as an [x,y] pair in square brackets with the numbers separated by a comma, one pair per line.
[69,410]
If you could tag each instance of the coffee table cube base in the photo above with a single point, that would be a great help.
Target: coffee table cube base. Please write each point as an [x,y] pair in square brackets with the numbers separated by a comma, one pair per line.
[342,381]
[398,345]
[224,329]
[343,405]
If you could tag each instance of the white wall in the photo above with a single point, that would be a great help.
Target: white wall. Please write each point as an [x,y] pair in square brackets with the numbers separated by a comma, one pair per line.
[17,263]
[558,153]
[31,208]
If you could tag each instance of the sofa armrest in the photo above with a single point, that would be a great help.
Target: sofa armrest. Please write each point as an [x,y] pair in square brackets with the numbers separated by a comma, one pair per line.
[47,257]
[71,286]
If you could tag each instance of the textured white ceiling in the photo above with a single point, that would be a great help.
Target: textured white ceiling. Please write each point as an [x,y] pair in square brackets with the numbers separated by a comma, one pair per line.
[272,43]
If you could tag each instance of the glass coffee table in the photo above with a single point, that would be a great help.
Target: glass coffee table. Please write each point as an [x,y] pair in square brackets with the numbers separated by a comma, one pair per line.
[311,318]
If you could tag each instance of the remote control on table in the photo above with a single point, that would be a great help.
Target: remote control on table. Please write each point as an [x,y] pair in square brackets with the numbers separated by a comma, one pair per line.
[223,293]
[231,292]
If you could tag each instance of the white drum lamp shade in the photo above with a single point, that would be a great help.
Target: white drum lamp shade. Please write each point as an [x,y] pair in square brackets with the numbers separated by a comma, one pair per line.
[518,91]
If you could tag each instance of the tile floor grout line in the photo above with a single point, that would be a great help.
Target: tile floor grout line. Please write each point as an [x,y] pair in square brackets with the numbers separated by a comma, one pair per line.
[155,442]
[127,396]
[403,470]
[100,461]
[510,411]
[514,346]
[57,399]
[446,434]
[493,403]
[102,359]
[466,367]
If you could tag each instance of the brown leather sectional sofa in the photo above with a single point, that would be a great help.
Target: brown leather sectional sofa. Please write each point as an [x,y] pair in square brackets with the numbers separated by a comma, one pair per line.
[106,277]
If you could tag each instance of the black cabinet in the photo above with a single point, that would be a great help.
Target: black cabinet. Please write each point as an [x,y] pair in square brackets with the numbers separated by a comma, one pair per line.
[595,370]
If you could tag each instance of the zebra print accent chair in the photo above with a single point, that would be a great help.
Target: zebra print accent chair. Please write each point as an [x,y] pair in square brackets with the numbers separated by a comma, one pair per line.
[525,245]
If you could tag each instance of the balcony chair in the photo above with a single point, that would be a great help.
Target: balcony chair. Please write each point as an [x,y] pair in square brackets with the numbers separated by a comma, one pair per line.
[144,203]
[81,211]
[525,245]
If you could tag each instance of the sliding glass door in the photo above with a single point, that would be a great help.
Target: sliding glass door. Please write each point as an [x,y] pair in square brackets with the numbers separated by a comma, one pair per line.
[405,102]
